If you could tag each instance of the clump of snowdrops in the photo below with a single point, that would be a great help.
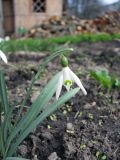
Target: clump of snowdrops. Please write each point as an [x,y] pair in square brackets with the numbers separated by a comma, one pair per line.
[12,134]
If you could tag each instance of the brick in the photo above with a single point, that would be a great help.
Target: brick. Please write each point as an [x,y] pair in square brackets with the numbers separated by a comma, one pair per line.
[25,17]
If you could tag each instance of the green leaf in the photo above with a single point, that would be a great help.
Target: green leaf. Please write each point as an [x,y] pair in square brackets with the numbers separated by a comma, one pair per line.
[35,108]
[6,124]
[5,106]
[94,75]
[50,109]
[2,147]
[40,102]
[3,93]
[103,77]
[117,83]
[15,158]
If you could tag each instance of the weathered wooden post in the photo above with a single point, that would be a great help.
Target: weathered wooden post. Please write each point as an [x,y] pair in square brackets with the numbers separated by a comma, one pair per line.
[1,20]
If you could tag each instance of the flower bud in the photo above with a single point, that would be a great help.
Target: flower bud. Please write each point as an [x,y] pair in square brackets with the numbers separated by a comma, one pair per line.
[64,61]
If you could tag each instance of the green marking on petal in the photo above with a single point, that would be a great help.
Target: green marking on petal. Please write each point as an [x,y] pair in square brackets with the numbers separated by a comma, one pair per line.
[67,82]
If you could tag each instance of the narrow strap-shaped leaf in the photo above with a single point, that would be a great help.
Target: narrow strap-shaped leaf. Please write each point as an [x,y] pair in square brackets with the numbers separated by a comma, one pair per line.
[40,102]
[3,93]
[35,109]
[6,124]
[2,147]
[51,108]
[16,158]
[5,105]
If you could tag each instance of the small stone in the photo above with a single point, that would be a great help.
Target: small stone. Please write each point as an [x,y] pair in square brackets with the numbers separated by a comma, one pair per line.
[70,128]
[54,156]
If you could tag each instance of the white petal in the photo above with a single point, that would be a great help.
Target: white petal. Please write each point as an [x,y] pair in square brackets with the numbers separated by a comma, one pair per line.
[66,74]
[66,77]
[59,86]
[77,81]
[3,56]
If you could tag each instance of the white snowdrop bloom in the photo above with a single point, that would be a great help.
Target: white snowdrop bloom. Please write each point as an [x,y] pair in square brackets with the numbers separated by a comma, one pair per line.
[1,39]
[67,78]
[7,38]
[3,56]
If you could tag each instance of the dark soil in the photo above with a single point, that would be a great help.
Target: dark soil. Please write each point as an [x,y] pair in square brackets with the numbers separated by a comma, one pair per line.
[87,127]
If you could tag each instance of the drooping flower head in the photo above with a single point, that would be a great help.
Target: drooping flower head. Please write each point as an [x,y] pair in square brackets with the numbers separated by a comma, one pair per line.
[67,78]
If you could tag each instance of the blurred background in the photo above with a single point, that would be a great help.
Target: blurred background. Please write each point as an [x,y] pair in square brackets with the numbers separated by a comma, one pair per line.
[20,16]
[91,8]
[32,30]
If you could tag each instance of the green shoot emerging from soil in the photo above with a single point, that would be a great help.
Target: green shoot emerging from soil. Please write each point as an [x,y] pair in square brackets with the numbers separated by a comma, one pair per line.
[15,128]
[107,81]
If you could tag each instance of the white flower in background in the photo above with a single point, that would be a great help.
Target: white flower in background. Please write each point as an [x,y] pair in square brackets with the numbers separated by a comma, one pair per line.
[3,56]
[1,39]
[67,78]
[7,38]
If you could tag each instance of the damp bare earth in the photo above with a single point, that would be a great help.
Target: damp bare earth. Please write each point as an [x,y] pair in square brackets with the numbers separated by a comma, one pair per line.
[85,128]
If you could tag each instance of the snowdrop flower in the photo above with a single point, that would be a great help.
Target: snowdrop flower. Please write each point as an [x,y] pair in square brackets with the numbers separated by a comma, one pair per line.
[3,56]
[7,38]
[1,39]
[67,78]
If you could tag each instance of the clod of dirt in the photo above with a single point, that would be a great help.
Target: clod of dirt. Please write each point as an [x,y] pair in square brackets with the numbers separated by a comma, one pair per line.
[23,150]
